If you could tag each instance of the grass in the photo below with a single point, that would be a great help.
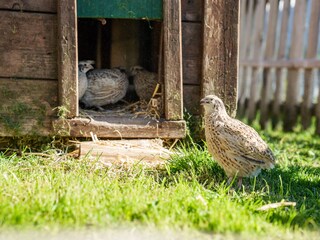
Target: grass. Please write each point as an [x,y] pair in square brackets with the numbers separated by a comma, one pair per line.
[190,192]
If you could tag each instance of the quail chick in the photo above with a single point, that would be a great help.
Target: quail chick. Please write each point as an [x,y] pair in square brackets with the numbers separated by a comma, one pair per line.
[144,82]
[105,86]
[237,148]
[84,67]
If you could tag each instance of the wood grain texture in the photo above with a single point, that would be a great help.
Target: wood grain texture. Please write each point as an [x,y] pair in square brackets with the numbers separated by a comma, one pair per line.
[141,128]
[122,151]
[257,54]
[269,55]
[220,51]
[296,51]
[27,106]
[191,99]
[192,70]
[49,6]
[28,45]
[191,52]
[68,56]
[281,54]
[191,39]
[172,59]
[311,53]
[192,10]
[246,37]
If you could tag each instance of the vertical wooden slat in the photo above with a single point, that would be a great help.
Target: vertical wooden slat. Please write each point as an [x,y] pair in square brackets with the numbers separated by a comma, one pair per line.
[172,59]
[257,54]
[280,55]
[220,51]
[242,45]
[247,71]
[269,55]
[311,53]
[67,56]
[296,52]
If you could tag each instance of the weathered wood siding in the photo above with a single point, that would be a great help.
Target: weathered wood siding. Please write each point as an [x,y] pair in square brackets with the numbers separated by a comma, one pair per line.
[192,18]
[28,45]
[28,69]
[49,6]
[27,106]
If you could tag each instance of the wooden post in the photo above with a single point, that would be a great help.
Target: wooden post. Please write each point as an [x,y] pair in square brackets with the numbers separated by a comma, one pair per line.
[172,59]
[68,57]
[311,53]
[220,51]
[269,55]
[296,51]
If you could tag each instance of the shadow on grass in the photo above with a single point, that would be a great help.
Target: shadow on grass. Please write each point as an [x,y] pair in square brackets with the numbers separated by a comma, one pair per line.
[296,183]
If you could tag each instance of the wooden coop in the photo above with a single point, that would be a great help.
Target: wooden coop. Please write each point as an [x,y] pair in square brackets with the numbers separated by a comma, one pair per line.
[190,44]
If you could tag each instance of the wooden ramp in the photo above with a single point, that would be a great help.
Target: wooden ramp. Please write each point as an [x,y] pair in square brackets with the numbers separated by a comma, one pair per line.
[145,151]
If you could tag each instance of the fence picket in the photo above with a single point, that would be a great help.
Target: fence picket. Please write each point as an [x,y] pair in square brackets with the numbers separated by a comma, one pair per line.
[257,55]
[311,53]
[269,55]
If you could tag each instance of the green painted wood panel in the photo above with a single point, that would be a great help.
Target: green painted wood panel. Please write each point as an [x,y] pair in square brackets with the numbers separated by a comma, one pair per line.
[133,9]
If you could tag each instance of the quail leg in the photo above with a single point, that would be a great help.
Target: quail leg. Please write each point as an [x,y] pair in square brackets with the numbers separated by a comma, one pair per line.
[229,180]
[239,182]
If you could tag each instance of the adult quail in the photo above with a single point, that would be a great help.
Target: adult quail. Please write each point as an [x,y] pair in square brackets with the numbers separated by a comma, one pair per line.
[105,86]
[237,148]
[144,82]
[84,67]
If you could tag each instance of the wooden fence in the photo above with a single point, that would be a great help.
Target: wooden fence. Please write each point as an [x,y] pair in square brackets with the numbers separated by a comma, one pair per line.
[279,62]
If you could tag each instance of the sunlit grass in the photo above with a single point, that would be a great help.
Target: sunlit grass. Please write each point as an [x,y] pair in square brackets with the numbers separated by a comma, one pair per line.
[189,192]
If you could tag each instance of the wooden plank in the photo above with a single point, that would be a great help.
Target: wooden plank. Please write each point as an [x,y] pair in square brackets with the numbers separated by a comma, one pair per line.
[128,9]
[49,6]
[220,51]
[244,15]
[282,63]
[121,128]
[191,52]
[296,51]
[143,151]
[27,106]
[28,45]
[192,10]
[172,59]
[191,99]
[68,56]
[245,73]
[257,54]
[125,43]
[192,70]
[269,55]
[311,53]
[280,55]
[191,41]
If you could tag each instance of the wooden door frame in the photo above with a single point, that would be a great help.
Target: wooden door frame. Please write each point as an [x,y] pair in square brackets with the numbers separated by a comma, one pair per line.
[173,126]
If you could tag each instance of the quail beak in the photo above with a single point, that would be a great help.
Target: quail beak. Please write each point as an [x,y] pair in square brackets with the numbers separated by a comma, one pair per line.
[203,101]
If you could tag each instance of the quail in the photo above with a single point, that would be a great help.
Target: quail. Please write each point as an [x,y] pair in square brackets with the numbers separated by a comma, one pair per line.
[144,82]
[84,67]
[105,86]
[237,147]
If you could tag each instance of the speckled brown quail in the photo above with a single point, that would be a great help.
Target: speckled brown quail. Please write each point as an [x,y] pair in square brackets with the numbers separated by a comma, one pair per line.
[237,148]
[144,82]
[83,68]
[105,86]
